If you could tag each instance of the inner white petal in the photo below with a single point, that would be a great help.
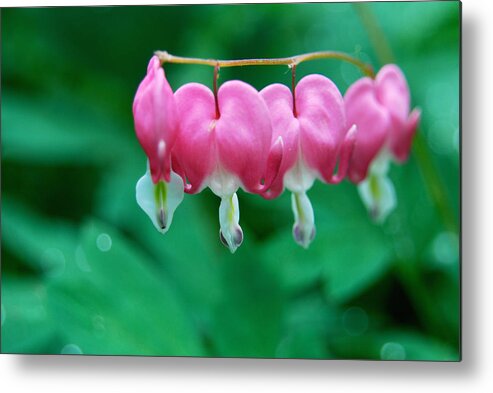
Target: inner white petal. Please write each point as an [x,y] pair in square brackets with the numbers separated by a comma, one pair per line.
[229,216]
[377,190]
[378,195]
[159,201]
[304,219]
[380,164]
[222,182]
[299,178]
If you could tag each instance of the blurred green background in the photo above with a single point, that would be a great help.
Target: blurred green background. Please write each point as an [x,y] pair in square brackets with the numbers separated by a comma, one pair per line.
[83,269]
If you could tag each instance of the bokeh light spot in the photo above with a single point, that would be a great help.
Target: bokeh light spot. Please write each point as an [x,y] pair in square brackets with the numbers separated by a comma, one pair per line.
[392,351]
[446,248]
[71,349]
[104,242]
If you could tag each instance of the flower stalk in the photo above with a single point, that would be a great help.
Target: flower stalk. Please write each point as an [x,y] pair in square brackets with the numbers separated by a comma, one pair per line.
[291,61]
[293,88]
[214,86]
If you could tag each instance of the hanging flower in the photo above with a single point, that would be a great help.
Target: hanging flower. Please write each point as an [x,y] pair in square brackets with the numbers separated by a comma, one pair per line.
[160,190]
[226,150]
[315,136]
[380,109]
[264,142]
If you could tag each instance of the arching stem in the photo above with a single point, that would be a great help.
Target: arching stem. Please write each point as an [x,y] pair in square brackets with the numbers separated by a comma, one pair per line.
[366,69]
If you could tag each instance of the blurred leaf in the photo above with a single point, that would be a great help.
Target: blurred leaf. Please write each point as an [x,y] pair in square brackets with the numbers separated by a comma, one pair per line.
[445,292]
[415,27]
[45,245]
[41,131]
[308,327]
[119,304]
[195,251]
[247,321]
[393,345]
[348,253]
[26,327]
[188,252]
[350,269]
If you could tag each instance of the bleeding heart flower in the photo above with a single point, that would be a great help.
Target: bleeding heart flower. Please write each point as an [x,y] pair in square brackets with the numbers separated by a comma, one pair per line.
[160,190]
[315,138]
[380,109]
[228,151]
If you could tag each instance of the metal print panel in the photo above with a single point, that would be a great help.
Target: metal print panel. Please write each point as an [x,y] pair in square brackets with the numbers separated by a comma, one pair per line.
[258,180]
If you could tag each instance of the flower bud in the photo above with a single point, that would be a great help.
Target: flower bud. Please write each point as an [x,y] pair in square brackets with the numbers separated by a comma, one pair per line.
[160,190]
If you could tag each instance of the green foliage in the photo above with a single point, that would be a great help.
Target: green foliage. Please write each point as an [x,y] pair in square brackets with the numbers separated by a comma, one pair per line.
[91,303]
[84,270]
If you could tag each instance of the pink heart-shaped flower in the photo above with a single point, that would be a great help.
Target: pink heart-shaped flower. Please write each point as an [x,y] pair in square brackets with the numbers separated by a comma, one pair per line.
[315,137]
[237,144]
[156,121]
[380,109]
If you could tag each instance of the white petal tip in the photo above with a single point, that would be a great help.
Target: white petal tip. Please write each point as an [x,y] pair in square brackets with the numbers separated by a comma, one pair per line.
[162,221]
[378,195]
[232,240]
[303,236]
[159,201]
[230,234]
[304,220]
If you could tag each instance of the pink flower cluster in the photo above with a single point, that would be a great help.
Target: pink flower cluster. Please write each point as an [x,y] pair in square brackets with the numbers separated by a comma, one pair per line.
[264,142]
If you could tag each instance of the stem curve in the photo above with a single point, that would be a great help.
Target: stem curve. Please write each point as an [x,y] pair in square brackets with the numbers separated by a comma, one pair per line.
[291,61]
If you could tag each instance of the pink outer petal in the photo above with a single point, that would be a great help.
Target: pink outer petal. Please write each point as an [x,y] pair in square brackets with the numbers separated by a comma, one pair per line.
[373,122]
[243,133]
[401,145]
[345,154]
[322,120]
[270,189]
[279,101]
[238,141]
[155,118]
[152,68]
[194,154]
[393,92]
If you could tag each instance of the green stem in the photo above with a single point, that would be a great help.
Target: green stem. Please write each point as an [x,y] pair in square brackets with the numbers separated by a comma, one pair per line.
[375,33]
[214,84]
[434,183]
[366,69]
